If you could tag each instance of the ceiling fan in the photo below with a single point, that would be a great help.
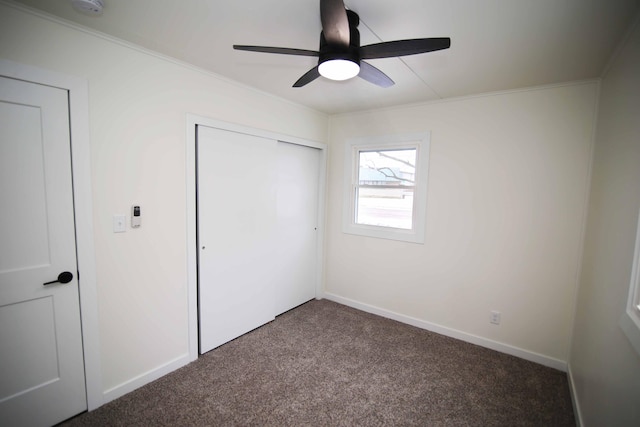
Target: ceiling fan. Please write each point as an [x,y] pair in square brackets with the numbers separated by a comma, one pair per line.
[341,57]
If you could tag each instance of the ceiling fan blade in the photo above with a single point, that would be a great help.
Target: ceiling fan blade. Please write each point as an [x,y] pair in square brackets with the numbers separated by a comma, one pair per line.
[308,77]
[371,74]
[404,47]
[335,24]
[280,50]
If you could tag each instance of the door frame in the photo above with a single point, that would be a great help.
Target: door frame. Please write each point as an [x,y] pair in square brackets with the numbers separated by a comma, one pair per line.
[193,121]
[78,93]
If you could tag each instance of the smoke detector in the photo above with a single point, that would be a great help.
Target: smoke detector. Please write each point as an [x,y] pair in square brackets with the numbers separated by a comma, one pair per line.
[88,7]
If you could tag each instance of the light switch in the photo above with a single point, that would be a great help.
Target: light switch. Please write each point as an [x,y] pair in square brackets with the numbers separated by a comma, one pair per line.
[119,223]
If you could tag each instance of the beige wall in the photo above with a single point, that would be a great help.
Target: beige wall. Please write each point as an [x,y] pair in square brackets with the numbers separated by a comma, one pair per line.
[604,367]
[508,182]
[138,104]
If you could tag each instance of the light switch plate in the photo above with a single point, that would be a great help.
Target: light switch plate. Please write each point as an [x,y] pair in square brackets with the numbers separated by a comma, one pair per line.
[119,223]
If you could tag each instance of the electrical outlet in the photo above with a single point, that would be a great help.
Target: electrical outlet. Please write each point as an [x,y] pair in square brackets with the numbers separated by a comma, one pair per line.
[495,317]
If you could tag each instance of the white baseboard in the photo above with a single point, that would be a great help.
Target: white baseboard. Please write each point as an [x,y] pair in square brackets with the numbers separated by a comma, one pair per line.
[453,333]
[574,398]
[145,378]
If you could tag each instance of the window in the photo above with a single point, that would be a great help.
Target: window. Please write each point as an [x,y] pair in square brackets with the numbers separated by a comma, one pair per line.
[630,320]
[385,191]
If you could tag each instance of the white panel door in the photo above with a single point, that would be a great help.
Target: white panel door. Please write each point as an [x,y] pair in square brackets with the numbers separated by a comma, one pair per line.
[41,363]
[236,197]
[298,178]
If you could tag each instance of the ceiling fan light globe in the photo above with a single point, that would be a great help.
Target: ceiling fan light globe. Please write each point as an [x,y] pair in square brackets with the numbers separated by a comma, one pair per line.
[339,69]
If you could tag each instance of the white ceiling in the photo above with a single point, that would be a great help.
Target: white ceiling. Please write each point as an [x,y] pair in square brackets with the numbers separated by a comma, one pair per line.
[495,44]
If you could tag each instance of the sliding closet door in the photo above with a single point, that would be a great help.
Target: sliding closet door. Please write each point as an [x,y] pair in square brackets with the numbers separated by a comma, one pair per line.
[237,199]
[297,215]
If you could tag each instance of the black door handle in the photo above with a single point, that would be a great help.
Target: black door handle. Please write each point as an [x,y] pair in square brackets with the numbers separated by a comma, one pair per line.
[64,277]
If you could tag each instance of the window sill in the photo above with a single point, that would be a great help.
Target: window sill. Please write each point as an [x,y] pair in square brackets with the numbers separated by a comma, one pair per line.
[411,236]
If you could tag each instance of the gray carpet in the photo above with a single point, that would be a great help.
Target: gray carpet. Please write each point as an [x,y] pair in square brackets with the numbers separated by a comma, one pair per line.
[324,364]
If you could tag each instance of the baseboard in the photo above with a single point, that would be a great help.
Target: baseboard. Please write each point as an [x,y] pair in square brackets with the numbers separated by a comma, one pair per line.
[145,378]
[574,398]
[453,333]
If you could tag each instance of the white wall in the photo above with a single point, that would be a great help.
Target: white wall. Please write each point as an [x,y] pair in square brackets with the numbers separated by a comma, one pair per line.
[138,104]
[604,367]
[508,182]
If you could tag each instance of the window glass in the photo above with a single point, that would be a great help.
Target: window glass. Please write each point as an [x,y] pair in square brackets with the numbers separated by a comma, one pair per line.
[385,188]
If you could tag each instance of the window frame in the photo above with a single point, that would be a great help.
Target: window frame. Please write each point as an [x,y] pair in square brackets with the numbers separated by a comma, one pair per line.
[630,319]
[418,141]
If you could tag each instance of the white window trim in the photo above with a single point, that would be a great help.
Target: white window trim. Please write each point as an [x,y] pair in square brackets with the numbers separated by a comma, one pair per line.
[420,141]
[630,319]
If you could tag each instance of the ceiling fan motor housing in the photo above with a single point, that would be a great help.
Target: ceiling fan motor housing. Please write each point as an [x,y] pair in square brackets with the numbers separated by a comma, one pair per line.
[351,53]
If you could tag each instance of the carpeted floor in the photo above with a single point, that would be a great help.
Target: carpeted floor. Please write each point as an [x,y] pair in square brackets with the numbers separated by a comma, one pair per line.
[325,364]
